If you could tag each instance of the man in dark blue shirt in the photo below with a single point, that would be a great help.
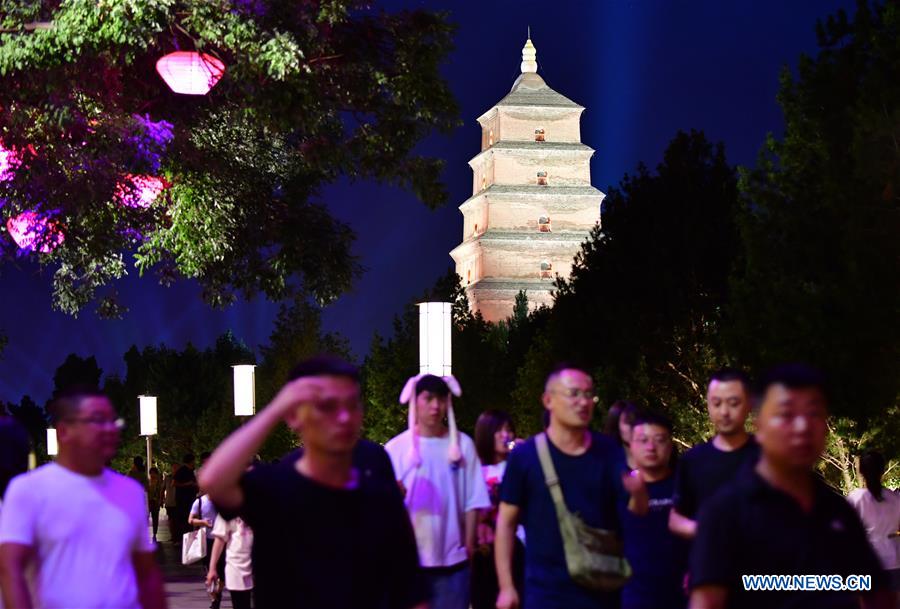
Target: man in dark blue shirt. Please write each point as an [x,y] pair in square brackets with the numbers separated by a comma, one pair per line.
[780,519]
[590,469]
[657,556]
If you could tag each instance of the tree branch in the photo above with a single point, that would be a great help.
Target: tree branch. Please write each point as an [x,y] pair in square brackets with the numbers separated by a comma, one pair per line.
[29,27]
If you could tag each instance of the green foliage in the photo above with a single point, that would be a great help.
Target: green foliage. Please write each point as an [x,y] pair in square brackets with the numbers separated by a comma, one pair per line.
[312,91]
[819,221]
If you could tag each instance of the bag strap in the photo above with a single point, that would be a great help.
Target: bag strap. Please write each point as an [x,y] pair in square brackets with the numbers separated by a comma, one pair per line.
[550,477]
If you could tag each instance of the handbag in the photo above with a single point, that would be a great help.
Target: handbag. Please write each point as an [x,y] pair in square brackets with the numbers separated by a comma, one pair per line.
[193,543]
[594,557]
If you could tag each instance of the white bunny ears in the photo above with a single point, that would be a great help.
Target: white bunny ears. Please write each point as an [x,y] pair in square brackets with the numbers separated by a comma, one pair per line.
[408,396]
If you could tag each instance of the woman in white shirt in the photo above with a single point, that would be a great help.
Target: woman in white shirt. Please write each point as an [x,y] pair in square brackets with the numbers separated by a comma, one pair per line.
[234,538]
[879,510]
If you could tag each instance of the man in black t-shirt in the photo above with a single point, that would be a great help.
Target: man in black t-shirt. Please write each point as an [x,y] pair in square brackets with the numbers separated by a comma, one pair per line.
[330,529]
[705,468]
[780,519]
[185,493]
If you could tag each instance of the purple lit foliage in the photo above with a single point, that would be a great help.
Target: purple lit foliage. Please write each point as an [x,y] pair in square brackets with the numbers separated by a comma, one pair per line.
[150,142]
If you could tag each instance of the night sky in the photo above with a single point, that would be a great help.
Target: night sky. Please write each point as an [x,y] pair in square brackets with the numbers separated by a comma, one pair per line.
[643,69]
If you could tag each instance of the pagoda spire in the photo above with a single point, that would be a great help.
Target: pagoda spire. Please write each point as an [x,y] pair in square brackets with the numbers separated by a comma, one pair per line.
[529,56]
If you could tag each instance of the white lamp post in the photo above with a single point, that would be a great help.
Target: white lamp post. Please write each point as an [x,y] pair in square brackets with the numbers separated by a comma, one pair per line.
[435,319]
[244,390]
[149,425]
[52,446]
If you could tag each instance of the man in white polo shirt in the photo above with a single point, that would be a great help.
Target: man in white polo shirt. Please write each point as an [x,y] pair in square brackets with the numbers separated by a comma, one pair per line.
[81,526]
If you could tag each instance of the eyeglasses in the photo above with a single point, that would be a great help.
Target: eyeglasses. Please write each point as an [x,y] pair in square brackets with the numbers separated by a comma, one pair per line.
[99,421]
[573,394]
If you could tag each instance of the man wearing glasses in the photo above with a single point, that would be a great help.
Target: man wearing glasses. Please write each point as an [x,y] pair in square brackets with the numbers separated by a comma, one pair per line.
[328,531]
[82,526]
[591,472]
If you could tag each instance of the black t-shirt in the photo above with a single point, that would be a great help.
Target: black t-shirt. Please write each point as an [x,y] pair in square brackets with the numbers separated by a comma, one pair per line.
[658,558]
[185,495]
[704,469]
[369,459]
[592,487]
[752,528]
[318,547]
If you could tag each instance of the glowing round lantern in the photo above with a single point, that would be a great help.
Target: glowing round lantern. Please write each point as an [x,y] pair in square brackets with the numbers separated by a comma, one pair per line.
[189,72]
[139,191]
[29,230]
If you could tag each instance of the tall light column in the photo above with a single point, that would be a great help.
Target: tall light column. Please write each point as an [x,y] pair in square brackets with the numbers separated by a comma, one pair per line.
[435,320]
[244,390]
[149,425]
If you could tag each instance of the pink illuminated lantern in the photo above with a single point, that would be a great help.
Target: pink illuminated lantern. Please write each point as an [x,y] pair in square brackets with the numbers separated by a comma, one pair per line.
[141,192]
[7,159]
[29,230]
[189,72]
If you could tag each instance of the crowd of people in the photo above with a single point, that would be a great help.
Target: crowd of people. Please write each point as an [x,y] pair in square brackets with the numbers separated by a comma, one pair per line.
[569,518]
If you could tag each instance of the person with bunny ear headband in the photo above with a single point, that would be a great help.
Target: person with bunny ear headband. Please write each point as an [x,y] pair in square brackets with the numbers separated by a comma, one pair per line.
[439,469]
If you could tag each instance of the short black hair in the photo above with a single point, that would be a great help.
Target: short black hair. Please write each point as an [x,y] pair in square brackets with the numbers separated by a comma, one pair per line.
[619,409]
[726,375]
[324,365]
[561,367]
[652,417]
[154,470]
[489,422]
[67,402]
[139,461]
[432,384]
[794,375]
[871,466]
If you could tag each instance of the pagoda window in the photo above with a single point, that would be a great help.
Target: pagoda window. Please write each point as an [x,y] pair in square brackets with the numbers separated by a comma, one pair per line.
[490,137]
[544,224]
[469,276]
[542,178]
[539,135]
[483,182]
[546,270]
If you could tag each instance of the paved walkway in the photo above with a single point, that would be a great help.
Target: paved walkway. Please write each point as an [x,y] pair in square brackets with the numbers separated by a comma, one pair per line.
[184,583]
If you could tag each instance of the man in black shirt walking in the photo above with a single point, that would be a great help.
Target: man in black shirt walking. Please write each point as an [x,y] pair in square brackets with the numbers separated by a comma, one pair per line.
[328,532]
[708,466]
[780,519]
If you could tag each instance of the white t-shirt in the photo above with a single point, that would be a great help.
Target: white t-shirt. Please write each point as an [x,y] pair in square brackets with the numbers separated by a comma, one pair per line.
[207,510]
[83,531]
[438,495]
[238,538]
[881,518]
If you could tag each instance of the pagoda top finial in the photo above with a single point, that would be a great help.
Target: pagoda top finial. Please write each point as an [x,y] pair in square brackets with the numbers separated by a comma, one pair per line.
[529,56]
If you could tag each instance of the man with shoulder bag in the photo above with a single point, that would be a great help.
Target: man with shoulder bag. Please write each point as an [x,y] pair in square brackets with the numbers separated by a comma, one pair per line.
[575,478]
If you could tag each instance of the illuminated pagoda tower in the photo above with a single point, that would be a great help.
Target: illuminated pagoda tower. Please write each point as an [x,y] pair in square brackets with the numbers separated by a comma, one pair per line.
[532,202]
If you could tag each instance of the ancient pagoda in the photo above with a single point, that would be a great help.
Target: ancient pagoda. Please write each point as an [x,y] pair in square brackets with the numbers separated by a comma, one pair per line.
[532,202]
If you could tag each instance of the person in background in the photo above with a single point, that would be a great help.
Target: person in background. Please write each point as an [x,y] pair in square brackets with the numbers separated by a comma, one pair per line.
[494,438]
[171,504]
[186,490]
[138,472]
[234,541]
[80,527]
[203,514]
[707,467]
[618,423]
[14,447]
[155,493]
[879,510]
[780,518]
[657,556]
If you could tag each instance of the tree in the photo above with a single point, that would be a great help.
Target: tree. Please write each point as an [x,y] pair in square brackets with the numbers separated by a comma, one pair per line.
[311,91]
[642,308]
[34,420]
[77,371]
[819,220]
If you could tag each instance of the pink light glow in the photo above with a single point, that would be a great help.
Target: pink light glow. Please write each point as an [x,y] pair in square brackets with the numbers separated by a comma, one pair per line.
[28,229]
[7,158]
[141,192]
[189,72]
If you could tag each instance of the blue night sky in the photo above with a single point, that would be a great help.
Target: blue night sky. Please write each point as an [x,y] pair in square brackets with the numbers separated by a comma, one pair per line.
[643,69]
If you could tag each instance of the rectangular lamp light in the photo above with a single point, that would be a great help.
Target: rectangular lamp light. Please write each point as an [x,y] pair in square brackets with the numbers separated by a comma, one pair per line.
[244,390]
[148,415]
[52,446]
[435,321]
